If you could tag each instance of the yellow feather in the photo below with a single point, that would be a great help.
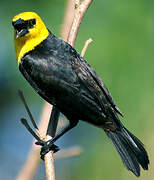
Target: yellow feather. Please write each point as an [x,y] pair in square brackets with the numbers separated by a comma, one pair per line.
[35,36]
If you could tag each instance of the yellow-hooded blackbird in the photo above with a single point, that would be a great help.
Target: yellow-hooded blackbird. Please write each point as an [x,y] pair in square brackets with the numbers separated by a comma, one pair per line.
[64,79]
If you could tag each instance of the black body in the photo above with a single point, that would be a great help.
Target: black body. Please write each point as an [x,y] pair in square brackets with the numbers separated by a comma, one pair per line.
[63,78]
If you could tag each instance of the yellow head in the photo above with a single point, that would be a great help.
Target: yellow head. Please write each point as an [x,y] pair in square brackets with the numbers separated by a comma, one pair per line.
[29,31]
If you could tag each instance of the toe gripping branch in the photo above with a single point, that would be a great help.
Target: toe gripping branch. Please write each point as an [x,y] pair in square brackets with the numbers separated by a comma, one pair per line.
[52,126]
[49,145]
[51,131]
[46,147]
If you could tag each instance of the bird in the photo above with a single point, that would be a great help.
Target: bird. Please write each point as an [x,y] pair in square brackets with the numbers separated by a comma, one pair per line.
[64,79]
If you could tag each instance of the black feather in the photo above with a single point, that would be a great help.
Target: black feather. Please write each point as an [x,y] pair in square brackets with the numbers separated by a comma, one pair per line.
[130,149]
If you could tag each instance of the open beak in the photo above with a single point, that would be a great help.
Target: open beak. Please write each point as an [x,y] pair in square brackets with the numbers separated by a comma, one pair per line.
[20,27]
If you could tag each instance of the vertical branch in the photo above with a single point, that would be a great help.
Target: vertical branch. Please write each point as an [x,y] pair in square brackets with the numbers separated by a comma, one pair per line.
[49,163]
[80,9]
[50,133]
[68,18]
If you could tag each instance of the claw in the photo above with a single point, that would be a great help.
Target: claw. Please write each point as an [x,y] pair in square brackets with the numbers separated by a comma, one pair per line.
[40,143]
[48,147]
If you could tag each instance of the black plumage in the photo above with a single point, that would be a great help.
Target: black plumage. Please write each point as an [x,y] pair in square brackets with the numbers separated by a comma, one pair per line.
[63,78]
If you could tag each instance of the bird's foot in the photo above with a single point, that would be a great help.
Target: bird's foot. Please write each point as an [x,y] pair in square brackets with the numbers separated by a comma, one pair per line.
[46,147]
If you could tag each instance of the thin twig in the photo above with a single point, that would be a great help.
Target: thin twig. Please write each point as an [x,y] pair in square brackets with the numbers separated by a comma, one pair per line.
[49,163]
[50,133]
[80,9]
[68,19]
[68,152]
[86,46]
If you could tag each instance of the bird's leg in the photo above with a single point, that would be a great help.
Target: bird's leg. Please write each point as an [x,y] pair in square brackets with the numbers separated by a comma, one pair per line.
[68,127]
[48,145]
[52,126]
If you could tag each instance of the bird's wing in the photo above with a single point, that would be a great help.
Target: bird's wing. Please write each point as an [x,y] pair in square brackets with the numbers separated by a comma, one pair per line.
[49,75]
[93,82]
[32,82]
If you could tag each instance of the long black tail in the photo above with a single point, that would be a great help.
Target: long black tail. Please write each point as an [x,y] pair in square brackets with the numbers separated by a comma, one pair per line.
[130,149]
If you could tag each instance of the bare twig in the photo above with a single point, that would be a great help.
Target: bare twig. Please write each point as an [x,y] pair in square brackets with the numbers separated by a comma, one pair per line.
[51,131]
[49,163]
[80,9]
[31,165]
[86,46]
[69,152]
[68,18]
[44,119]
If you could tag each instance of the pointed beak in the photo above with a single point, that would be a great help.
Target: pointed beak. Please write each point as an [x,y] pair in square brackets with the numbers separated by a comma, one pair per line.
[19,26]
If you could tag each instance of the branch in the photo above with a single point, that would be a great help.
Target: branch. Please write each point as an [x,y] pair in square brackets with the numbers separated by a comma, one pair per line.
[68,19]
[49,163]
[69,152]
[80,9]
[51,131]
[86,46]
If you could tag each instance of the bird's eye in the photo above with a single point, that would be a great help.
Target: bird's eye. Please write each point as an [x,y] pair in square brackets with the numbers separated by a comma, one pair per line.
[31,23]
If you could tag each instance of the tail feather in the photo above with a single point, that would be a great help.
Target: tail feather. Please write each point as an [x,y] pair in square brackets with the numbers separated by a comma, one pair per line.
[140,151]
[130,149]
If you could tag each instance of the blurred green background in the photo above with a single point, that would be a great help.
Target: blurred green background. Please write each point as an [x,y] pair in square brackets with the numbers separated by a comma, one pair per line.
[122,53]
